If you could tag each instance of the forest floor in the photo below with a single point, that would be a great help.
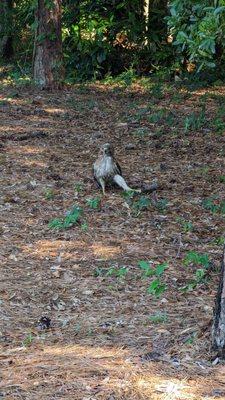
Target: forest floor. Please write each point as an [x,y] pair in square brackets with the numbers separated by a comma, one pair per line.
[113,335]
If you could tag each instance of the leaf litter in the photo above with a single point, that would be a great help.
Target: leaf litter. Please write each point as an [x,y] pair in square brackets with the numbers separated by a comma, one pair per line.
[105,340]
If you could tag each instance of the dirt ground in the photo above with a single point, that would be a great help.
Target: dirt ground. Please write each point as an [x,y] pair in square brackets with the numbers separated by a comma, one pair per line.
[103,341]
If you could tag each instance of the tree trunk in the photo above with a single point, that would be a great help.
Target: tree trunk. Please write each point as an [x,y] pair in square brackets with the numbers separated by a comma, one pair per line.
[146,16]
[48,71]
[6,28]
[218,329]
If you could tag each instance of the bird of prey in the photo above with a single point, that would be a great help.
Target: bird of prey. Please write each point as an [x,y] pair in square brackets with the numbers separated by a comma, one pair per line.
[107,170]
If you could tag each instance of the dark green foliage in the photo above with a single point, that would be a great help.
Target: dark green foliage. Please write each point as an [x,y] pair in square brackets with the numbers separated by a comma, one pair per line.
[110,38]
[100,37]
[198,30]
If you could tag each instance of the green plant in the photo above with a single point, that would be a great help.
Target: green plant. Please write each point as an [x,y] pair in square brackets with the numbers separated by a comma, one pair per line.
[158,318]
[170,119]
[220,241]
[28,340]
[194,258]
[117,272]
[72,218]
[78,187]
[128,196]
[219,125]
[195,121]
[214,205]
[49,194]
[161,205]
[199,277]
[198,29]
[99,271]
[146,268]
[157,91]
[94,203]
[156,288]
[141,132]
[149,271]
[160,268]
[141,204]
[127,77]
[84,226]
[187,226]
[156,117]
[190,340]
[137,206]
[222,178]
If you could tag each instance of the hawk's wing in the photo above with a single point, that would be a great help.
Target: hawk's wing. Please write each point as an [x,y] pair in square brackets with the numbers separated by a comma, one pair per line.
[99,171]
[94,176]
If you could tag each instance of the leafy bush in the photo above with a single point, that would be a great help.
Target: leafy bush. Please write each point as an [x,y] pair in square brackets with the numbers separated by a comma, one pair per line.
[198,30]
[100,37]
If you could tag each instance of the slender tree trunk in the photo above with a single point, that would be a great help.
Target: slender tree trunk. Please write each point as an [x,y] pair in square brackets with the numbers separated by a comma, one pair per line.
[146,16]
[218,329]
[6,28]
[48,71]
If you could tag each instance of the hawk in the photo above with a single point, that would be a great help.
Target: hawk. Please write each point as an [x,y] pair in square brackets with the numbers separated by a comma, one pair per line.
[107,170]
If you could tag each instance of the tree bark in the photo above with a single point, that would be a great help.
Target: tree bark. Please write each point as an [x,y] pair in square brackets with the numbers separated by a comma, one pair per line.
[6,28]
[218,329]
[48,71]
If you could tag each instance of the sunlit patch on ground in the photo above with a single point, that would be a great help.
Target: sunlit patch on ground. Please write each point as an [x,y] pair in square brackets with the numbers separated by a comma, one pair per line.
[93,371]
[54,111]
[43,248]
[25,150]
[104,251]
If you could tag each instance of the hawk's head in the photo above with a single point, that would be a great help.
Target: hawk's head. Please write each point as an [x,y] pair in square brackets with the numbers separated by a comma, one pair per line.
[107,149]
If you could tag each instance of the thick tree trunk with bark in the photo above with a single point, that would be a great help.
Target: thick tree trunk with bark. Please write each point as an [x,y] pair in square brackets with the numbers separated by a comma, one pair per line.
[48,71]
[6,40]
[218,330]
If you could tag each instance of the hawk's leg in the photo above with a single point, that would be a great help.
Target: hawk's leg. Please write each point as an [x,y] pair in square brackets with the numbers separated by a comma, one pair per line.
[102,183]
